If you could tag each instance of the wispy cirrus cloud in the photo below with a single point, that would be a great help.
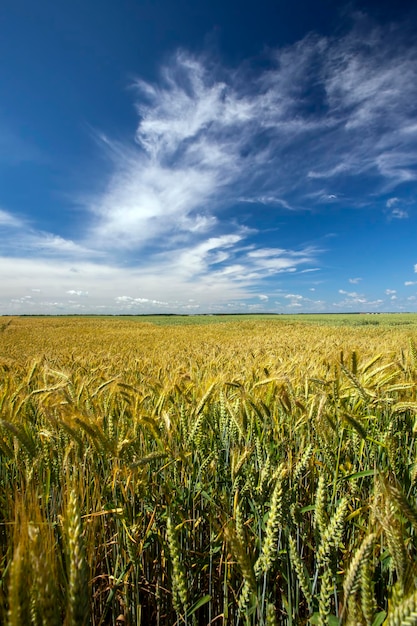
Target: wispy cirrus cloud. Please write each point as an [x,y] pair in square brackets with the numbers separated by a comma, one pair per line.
[8,220]
[325,108]
[21,239]
[267,200]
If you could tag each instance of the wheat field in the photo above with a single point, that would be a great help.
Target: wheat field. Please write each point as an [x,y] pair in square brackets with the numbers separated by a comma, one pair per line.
[250,472]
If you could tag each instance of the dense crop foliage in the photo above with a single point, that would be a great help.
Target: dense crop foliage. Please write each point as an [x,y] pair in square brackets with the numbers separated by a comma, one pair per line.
[254,472]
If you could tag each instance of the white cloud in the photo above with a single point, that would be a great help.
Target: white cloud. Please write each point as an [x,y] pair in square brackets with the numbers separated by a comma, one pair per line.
[329,172]
[196,260]
[211,271]
[29,242]
[170,286]
[9,220]
[270,261]
[267,200]
[356,301]
[321,196]
[355,281]
[351,294]
[131,302]
[294,296]
[410,282]
[399,214]
[390,292]
[310,269]
[360,303]
[124,299]
[47,243]
[148,301]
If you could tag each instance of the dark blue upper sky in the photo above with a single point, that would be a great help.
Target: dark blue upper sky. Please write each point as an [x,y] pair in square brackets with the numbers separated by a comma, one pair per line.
[203,156]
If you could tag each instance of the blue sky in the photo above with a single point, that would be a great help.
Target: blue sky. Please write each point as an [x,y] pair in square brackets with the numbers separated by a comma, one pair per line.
[200,157]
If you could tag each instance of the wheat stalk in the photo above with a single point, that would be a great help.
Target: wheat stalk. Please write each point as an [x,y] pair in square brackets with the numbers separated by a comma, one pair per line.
[77,612]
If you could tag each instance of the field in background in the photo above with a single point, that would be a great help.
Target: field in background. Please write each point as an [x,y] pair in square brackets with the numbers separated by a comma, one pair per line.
[328,319]
[253,471]
[343,319]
